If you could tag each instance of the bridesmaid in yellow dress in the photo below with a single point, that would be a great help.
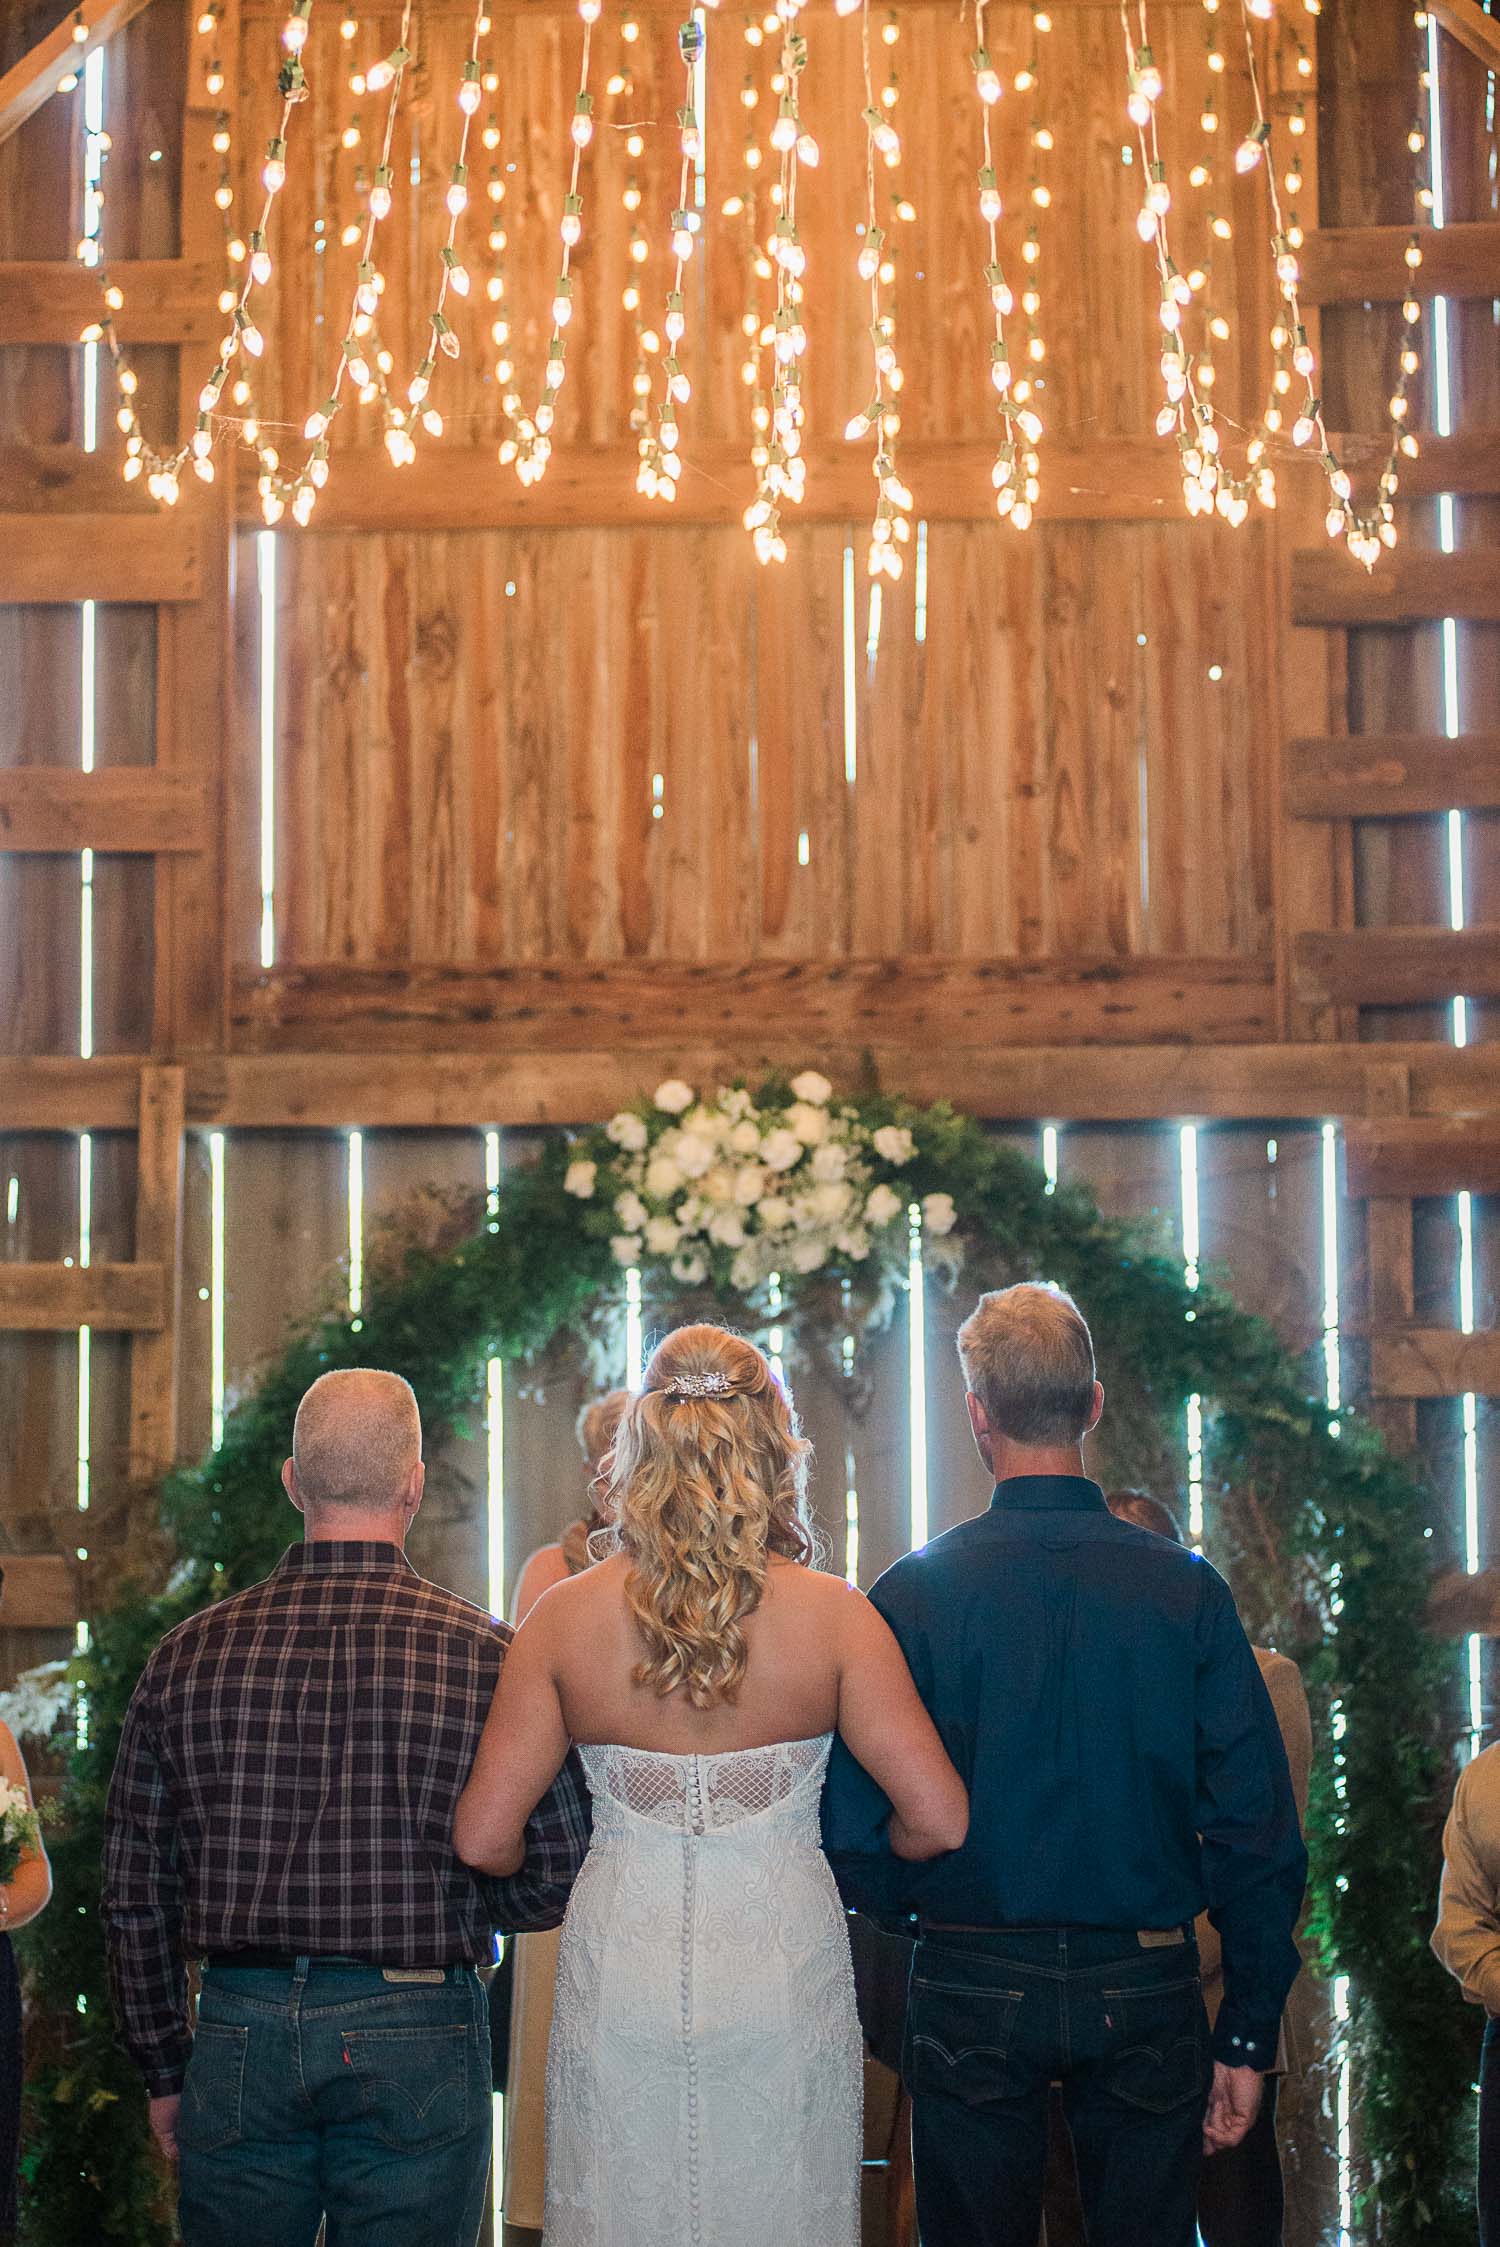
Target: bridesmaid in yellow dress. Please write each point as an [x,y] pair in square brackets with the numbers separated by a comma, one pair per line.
[536,1955]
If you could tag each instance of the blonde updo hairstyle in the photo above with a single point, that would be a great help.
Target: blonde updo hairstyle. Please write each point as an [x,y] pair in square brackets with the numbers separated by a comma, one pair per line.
[707,1483]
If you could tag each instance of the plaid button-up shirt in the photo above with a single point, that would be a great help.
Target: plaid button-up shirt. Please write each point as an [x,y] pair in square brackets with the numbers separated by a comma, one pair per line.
[287,1777]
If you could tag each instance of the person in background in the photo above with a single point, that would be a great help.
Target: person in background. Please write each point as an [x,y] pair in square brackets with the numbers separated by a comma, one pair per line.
[26,1893]
[534,1957]
[1467,1941]
[282,1808]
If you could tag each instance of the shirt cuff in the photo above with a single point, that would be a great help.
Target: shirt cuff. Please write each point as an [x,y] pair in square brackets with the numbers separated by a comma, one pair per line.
[1243,2043]
[165,2083]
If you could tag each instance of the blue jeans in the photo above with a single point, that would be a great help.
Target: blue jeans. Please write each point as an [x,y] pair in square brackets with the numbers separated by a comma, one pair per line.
[993,2021]
[332,2091]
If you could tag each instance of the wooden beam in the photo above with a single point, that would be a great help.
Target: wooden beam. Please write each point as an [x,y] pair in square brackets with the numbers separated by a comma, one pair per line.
[29,84]
[158,1241]
[1467,22]
[1431,1361]
[53,1093]
[55,1298]
[1367,264]
[1411,586]
[66,558]
[624,1003]
[1391,775]
[167,300]
[1398,966]
[128,808]
[1422,1156]
[41,1592]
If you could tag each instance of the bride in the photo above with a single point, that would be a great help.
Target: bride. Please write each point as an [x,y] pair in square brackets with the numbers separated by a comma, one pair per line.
[704,2077]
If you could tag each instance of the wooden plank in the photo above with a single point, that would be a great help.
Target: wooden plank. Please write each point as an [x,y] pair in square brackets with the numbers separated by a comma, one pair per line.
[624,1003]
[158,1242]
[31,83]
[1407,587]
[1391,775]
[52,559]
[41,1592]
[1398,966]
[1432,1361]
[1468,23]
[52,1298]
[1420,1156]
[1367,264]
[167,300]
[132,808]
[60,1093]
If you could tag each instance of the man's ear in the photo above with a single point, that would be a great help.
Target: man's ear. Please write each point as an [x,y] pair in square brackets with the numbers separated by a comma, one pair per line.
[289,1485]
[1098,1412]
[416,1483]
[984,1441]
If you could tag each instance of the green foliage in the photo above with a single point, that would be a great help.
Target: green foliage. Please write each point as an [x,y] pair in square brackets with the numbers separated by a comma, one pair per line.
[1322,1533]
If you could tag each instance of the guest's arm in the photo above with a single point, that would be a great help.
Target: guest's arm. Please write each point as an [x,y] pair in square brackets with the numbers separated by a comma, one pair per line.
[1254,1862]
[521,1752]
[30,1887]
[142,1905]
[545,1568]
[1467,1935]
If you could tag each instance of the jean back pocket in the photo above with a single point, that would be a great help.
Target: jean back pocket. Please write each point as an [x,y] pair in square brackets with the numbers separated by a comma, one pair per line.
[213,2095]
[1157,2048]
[418,2087]
[960,2042]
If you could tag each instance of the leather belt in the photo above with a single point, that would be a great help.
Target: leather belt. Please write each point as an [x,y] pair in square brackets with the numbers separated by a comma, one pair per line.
[285,1962]
[1149,1938]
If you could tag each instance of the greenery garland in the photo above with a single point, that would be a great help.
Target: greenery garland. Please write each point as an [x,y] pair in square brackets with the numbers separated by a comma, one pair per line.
[1320,1529]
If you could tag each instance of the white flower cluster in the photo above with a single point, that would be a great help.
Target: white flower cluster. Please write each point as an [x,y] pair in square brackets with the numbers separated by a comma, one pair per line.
[36,1704]
[787,1186]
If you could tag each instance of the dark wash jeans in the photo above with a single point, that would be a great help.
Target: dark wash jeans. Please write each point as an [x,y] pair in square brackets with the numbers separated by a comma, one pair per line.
[332,2090]
[1489,2138]
[994,2020]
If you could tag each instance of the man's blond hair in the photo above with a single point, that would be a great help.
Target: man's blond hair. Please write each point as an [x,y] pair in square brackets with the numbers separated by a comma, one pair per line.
[1028,1356]
[598,1423]
[356,1440]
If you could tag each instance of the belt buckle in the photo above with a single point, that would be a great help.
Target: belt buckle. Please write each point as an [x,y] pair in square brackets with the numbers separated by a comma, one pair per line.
[427,1974]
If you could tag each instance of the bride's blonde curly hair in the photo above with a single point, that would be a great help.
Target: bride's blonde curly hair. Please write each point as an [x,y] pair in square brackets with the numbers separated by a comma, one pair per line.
[707,1481]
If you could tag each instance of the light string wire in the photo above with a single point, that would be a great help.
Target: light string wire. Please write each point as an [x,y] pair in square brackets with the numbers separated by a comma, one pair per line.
[784,475]
[745,202]
[533,432]
[893,502]
[660,462]
[1029,80]
[1015,472]
[645,338]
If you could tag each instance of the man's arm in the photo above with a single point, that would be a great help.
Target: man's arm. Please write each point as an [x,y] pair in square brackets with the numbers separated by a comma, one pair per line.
[1467,1935]
[1254,1862]
[856,1812]
[557,1841]
[142,1905]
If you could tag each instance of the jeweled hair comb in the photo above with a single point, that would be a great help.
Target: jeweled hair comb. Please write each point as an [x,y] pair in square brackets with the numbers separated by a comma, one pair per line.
[699,1385]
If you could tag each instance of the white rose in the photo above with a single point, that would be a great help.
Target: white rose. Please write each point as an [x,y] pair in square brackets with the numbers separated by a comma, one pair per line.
[734,1100]
[707,1123]
[813,1088]
[745,1137]
[749,1185]
[631,1211]
[580,1179]
[627,1131]
[808,1254]
[939,1214]
[694,1155]
[882,1206]
[626,1248]
[744,1272]
[662,1236]
[853,1242]
[780,1150]
[894,1144]
[663,1178]
[673,1096]
[718,1186]
[774,1213]
[828,1163]
[830,1203]
[727,1227]
[691,1268]
[809,1123]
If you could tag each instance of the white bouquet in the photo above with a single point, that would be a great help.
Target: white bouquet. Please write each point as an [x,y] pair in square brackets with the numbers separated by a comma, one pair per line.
[19,1828]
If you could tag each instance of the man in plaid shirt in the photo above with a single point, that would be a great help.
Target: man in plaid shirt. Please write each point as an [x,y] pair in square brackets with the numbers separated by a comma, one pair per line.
[282,1808]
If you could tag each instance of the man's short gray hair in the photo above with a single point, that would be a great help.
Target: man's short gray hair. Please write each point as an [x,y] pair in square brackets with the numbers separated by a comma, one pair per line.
[1028,1356]
[356,1439]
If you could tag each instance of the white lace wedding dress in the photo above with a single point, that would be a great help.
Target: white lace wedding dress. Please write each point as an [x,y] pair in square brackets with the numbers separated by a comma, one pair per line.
[704,2075]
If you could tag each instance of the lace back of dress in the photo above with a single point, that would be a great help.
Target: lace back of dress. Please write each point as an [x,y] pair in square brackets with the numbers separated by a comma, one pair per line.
[704,1793]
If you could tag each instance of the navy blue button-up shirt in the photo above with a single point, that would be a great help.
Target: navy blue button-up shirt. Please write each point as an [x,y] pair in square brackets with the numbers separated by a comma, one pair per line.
[1096,1691]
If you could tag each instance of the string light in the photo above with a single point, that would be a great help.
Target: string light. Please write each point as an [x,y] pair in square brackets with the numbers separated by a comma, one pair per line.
[893,502]
[1014,474]
[534,431]
[758,332]
[1029,80]
[784,475]
[660,463]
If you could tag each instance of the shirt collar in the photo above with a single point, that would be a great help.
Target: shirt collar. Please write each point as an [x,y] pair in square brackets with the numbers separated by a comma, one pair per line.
[325,1556]
[1068,1494]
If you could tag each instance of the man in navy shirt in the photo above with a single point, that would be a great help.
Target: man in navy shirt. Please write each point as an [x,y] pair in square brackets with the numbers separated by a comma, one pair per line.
[1097,1693]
